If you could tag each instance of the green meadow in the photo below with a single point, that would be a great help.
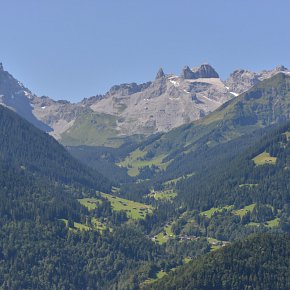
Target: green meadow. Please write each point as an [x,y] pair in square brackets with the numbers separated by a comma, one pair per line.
[134,210]
[135,161]
[264,158]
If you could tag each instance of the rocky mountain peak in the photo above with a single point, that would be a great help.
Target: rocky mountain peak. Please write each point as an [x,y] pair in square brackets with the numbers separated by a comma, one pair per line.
[160,74]
[127,89]
[281,68]
[187,73]
[205,71]
[1,67]
[241,80]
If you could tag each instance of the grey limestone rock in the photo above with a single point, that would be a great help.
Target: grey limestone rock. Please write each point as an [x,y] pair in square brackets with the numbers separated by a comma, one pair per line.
[187,73]
[205,71]
[160,74]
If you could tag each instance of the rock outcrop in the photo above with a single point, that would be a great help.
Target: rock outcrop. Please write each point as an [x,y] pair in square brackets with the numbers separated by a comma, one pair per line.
[160,74]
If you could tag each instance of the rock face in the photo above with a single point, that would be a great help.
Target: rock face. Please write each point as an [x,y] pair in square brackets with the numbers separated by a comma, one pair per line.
[158,106]
[59,115]
[242,80]
[167,102]
[187,73]
[127,89]
[205,71]
[15,96]
[160,74]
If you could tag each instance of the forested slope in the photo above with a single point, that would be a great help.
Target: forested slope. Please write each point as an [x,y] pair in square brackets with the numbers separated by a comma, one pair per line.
[38,250]
[259,262]
[32,150]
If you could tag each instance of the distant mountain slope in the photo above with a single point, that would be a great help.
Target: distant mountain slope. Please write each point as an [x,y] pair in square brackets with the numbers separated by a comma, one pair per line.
[130,109]
[167,102]
[34,151]
[242,80]
[259,262]
[14,95]
[265,104]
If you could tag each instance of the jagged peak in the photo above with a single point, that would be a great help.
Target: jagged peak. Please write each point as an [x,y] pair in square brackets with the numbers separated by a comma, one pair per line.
[187,73]
[1,66]
[240,71]
[281,68]
[203,71]
[160,74]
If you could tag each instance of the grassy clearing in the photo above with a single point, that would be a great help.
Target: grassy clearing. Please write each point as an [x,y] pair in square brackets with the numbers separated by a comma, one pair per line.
[264,158]
[209,213]
[161,274]
[273,223]
[186,260]
[253,224]
[215,244]
[175,180]
[96,225]
[243,211]
[77,226]
[90,203]
[135,161]
[165,194]
[134,210]
[269,224]
[165,235]
[94,129]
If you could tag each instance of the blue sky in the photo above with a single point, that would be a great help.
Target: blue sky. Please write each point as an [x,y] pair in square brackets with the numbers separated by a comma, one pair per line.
[71,49]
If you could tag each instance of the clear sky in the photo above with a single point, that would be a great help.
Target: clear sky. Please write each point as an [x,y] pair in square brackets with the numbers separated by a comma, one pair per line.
[71,49]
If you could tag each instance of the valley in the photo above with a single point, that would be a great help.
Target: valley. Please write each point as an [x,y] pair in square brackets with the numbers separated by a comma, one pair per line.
[134,211]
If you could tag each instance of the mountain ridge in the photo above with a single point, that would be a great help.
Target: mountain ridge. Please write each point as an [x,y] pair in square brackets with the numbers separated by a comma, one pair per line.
[156,106]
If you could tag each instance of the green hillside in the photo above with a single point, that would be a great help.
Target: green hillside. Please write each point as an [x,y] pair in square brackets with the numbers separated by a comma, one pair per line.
[259,262]
[48,239]
[95,129]
[36,152]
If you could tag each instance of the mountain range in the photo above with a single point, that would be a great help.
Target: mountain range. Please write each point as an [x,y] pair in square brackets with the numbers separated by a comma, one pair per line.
[130,109]
[199,204]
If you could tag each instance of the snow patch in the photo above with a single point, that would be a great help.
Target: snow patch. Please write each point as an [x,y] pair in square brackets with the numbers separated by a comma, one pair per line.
[175,83]
[235,94]
[186,91]
[43,107]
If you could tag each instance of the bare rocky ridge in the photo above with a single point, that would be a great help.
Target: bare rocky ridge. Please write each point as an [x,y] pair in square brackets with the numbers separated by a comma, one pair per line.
[15,95]
[59,115]
[169,101]
[242,80]
[158,106]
